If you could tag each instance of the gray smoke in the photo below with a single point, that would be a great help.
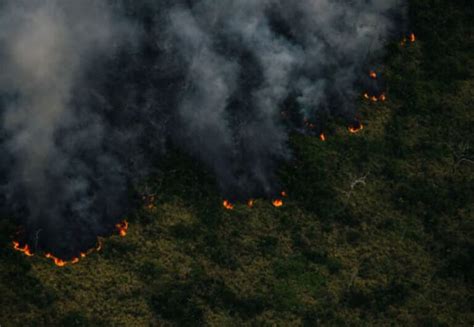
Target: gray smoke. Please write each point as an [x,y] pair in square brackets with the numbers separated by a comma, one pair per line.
[48,140]
[92,91]
[243,59]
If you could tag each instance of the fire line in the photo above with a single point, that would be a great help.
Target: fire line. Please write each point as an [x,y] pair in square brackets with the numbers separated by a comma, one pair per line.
[122,228]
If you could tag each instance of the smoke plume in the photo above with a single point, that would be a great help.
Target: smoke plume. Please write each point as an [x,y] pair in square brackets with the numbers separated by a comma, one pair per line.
[91,91]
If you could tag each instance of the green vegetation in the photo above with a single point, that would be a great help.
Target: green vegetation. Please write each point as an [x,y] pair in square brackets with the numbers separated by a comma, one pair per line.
[378,228]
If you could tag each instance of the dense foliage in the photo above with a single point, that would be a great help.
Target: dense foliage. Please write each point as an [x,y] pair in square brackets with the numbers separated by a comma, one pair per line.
[378,228]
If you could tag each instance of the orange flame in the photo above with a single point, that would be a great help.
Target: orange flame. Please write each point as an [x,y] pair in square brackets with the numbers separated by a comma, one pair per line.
[250,203]
[25,249]
[277,203]
[355,129]
[228,205]
[373,98]
[373,74]
[322,137]
[61,263]
[58,262]
[284,194]
[122,228]
[412,37]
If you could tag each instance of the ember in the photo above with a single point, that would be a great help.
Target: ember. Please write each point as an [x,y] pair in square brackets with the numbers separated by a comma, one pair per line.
[277,203]
[228,205]
[373,74]
[322,137]
[411,38]
[250,203]
[356,127]
[373,98]
[122,228]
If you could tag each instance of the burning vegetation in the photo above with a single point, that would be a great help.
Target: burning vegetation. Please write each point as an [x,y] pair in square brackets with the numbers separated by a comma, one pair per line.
[373,98]
[411,38]
[375,95]
[210,58]
[150,199]
[251,202]
[24,249]
[228,205]
[277,203]
[355,127]
[121,227]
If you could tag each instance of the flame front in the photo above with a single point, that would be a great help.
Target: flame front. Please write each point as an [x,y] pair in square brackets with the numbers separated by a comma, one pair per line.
[277,203]
[322,137]
[122,228]
[58,262]
[25,249]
